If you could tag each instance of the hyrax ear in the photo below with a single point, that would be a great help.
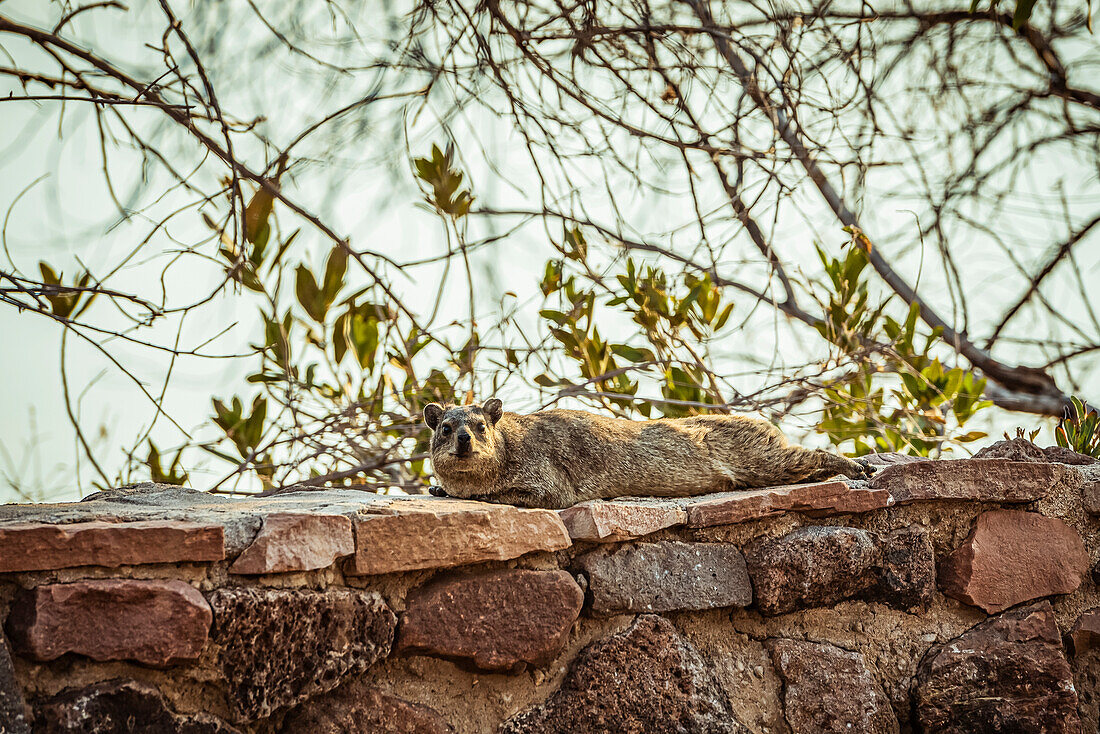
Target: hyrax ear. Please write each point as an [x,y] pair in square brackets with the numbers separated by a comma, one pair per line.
[433,413]
[494,409]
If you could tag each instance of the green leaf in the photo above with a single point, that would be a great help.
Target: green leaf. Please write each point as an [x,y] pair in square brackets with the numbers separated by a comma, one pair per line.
[1023,12]
[723,317]
[256,214]
[362,333]
[556,316]
[335,269]
[633,354]
[309,295]
[339,339]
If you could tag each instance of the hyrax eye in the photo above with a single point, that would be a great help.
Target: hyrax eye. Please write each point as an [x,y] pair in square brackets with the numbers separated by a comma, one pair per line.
[445,430]
[480,427]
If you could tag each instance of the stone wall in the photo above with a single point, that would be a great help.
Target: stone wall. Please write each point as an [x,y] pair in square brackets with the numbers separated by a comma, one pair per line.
[949,596]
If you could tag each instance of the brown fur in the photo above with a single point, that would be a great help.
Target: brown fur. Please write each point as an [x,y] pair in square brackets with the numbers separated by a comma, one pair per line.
[557,458]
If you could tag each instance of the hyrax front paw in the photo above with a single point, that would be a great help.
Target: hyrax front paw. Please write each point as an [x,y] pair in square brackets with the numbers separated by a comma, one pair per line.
[867,468]
[436,491]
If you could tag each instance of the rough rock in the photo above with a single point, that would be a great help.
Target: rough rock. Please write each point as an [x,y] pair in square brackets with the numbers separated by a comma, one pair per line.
[821,498]
[501,620]
[296,542]
[445,532]
[889,458]
[1011,557]
[279,647]
[1020,449]
[1007,674]
[603,521]
[1085,633]
[1091,495]
[667,576]
[907,578]
[37,547]
[812,566]
[1013,449]
[828,690]
[13,711]
[240,519]
[983,480]
[357,708]
[646,679]
[1063,455]
[821,565]
[120,707]
[154,622]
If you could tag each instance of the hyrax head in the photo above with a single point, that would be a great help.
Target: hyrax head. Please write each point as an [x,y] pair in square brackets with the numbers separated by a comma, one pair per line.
[464,439]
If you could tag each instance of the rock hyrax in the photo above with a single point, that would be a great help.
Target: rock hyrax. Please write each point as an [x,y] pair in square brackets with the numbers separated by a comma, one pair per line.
[556,458]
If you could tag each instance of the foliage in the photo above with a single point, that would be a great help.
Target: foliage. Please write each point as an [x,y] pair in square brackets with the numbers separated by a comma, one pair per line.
[173,474]
[1080,431]
[899,399]
[677,322]
[664,166]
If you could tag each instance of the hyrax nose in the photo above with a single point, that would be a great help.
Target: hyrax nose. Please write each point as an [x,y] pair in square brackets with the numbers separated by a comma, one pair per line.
[463,438]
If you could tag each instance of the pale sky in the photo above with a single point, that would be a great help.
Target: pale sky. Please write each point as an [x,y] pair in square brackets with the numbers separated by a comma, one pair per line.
[65,212]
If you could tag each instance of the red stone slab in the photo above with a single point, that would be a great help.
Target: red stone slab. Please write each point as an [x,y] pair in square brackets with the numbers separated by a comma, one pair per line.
[291,541]
[499,621]
[444,533]
[155,622]
[600,521]
[983,480]
[1085,633]
[825,498]
[41,547]
[1013,556]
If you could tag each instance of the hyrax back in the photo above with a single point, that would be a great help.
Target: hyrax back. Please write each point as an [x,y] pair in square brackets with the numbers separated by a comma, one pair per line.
[556,458]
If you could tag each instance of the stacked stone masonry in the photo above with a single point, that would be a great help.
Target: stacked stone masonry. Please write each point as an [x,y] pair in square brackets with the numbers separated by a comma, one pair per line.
[946,596]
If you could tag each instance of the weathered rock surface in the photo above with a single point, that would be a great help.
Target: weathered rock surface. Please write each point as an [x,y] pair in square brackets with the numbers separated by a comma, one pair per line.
[1013,449]
[821,565]
[120,707]
[357,708]
[1091,495]
[602,521]
[154,622]
[240,519]
[667,576]
[296,542]
[1006,675]
[828,690]
[907,578]
[890,458]
[501,620]
[644,680]
[442,533]
[822,498]
[983,480]
[36,547]
[1063,455]
[812,566]
[13,710]
[1011,557]
[279,647]
[1020,449]
[1085,633]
